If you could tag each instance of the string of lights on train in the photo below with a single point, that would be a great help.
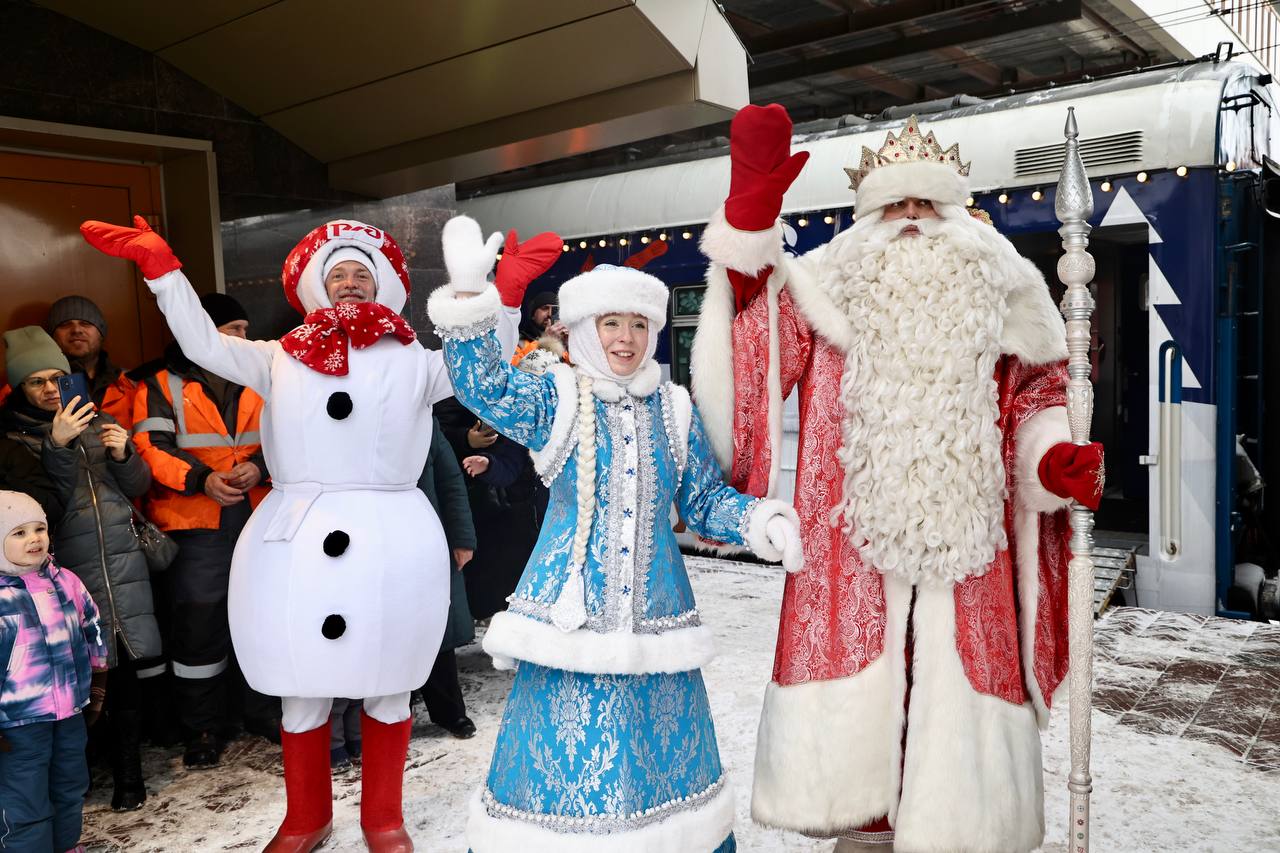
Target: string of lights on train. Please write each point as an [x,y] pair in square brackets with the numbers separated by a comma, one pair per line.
[804,220]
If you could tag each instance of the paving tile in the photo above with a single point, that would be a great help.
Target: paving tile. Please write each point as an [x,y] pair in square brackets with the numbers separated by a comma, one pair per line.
[1166,707]
[1236,744]
[1195,670]
[1263,755]
[1115,700]
[1153,725]
[1244,721]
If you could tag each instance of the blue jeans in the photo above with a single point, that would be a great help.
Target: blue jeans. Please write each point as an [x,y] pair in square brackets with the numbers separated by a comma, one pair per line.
[43,780]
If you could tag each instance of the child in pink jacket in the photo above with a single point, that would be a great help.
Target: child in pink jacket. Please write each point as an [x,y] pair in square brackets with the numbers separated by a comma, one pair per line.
[52,647]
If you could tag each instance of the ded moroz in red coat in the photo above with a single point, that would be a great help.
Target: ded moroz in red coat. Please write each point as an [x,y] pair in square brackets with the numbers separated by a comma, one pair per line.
[986,653]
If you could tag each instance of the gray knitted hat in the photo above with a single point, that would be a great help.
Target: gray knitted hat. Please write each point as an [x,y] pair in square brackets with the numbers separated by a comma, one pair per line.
[28,349]
[76,308]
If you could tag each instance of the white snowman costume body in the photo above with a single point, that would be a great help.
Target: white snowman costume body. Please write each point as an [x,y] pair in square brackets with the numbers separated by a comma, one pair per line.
[339,583]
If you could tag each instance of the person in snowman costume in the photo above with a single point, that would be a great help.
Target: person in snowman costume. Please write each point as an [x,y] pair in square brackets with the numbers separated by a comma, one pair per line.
[340,580]
[607,742]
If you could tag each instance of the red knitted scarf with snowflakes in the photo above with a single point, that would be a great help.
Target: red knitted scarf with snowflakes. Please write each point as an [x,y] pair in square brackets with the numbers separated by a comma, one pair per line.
[322,341]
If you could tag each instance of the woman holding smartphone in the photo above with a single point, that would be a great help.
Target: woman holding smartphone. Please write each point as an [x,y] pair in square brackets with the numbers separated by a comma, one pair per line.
[88,460]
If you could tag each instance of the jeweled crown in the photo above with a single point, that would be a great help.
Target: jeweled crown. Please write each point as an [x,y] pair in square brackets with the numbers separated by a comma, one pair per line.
[909,146]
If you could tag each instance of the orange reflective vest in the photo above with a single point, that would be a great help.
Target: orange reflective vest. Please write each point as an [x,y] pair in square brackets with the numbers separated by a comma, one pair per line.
[180,433]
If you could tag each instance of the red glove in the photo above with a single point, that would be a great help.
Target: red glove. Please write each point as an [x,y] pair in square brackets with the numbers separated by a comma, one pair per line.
[140,244]
[1074,471]
[761,170]
[521,263]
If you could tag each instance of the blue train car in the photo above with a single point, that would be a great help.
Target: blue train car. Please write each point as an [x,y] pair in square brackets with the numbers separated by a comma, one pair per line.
[1185,199]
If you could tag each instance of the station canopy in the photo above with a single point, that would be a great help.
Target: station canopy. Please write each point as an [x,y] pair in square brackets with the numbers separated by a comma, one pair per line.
[399,95]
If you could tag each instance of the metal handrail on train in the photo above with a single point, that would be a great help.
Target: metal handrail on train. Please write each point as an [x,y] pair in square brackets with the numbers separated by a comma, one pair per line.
[1170,453]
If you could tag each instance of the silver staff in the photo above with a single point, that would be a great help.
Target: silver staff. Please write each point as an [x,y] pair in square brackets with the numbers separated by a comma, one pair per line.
[1073,206]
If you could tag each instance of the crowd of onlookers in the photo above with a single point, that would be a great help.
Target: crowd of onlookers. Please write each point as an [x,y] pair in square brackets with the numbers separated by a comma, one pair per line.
[169,446]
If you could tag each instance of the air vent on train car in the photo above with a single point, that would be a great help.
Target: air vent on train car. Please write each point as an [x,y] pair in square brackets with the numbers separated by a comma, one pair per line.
[1096,151]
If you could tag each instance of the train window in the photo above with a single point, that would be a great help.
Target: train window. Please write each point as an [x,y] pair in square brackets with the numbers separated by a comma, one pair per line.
[686,304]
[686,300]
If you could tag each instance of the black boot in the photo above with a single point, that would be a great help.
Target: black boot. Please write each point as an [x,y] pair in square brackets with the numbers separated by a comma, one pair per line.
[203,751]
[126,762]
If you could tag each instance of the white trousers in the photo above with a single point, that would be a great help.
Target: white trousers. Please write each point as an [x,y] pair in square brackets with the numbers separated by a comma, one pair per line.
[302,714]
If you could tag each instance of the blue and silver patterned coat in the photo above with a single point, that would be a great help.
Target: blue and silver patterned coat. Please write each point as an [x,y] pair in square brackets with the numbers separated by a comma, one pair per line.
[651,452]
[607,743]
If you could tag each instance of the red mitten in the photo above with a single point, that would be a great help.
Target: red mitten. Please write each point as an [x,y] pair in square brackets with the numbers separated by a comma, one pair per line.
[1074,471]
[521,263]
[140,244]
[761,168]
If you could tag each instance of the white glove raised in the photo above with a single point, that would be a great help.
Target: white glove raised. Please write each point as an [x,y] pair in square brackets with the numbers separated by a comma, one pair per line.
[467,256]
[784,536]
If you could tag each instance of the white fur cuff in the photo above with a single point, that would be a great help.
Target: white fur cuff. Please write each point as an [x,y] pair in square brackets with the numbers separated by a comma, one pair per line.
[513,637]
[757,537]
[696,830]
[451,314]
[745,251]
[1037,434]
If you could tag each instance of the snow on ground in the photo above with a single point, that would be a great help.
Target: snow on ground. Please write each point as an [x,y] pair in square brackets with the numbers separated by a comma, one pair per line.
[1153,789]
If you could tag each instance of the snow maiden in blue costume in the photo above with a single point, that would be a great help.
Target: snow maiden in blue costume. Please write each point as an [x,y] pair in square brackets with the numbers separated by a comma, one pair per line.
[607,742]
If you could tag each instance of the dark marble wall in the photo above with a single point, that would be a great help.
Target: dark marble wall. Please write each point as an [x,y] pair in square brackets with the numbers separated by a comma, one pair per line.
[53,68]
[254,250]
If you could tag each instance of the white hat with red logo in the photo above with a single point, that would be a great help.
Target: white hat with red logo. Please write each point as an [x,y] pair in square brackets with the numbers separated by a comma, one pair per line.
[304,269]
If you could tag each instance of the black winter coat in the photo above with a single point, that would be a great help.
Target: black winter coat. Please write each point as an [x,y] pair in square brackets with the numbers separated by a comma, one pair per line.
[443,483]
[505,509]
[94,538]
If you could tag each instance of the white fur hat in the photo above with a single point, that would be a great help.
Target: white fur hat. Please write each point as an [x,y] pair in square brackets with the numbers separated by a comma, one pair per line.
[920,179]
[607,289]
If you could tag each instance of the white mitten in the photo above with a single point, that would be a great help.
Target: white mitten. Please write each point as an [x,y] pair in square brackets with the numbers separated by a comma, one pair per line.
[784,536]
[467,256]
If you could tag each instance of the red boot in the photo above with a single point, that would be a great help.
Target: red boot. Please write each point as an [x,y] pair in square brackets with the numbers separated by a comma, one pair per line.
[308,785]
[382,783]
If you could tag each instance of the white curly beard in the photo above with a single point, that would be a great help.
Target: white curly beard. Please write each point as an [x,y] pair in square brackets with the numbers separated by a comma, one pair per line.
[924,486]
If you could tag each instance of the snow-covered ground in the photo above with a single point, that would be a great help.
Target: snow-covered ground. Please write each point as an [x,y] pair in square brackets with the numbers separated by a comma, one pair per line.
[1154,789]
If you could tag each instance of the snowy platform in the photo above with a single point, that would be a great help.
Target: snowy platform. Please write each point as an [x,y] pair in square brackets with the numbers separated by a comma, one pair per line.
[1186,752]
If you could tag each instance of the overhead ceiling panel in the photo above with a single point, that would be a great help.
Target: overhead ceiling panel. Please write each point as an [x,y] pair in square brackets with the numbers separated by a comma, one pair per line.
[304,50]
[710,91]
[153,26]
[440,91]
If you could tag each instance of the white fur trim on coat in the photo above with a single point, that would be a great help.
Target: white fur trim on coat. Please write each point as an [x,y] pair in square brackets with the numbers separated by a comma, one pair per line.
[614,290]
[512,637]
[824,753]
[745,251]
[1026,531]
[757,537]
[681,405]
[548,461]
[1037,434]
[918,179]
[711,364]
[972,775]
[448,312]
[696,830]
[1034,330]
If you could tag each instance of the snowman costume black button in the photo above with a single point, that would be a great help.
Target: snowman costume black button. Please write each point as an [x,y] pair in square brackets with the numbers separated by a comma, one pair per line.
[334,627]
[339,405]
[335,544]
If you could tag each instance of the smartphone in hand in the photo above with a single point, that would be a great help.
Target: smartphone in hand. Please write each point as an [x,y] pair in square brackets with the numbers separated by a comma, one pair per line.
[74,385]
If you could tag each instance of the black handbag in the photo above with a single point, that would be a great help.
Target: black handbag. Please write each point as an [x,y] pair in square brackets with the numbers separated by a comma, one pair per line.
[157,546]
